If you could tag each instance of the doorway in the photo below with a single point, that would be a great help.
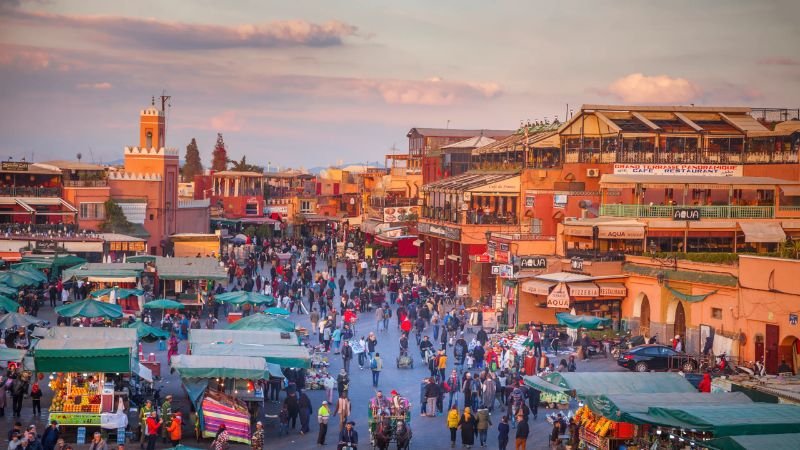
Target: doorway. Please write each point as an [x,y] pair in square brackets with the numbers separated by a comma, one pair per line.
[771,348]
[680,322]
[644,318]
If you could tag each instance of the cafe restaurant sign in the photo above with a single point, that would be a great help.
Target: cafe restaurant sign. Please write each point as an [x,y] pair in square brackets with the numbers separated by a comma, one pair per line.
[720,170]
[451,233]
[559,297]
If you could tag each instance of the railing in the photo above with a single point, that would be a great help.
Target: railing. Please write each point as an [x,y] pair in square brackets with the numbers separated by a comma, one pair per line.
[789,208]
[591,255]
[25,191]
[85,183]
[439,213]
[381,202]
[523,236]
[706,212]
[474,218]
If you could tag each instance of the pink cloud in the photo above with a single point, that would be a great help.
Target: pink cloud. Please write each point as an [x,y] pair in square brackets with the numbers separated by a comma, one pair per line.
[433,92]
[24,58]
[226,121]
[171,35]
[102,86]
[640,88]
[779,61]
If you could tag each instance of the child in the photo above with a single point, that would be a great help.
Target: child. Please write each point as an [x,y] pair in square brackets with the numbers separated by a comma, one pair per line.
[36,398]
[470,360]
[283,418]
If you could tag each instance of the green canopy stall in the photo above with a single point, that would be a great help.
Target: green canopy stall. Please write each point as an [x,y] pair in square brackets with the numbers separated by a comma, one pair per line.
[146,333]
[586,384]
[585,322]
[89,308]
[787,441]
[727,420]
[263,322]
[8,305]
[117,291]
[276,311]
[82,355]
[623,407]
[14,319]
[283,355]
[204,366]
[105,272]
[163,303]
[242,297]
[268,337]
[19,278]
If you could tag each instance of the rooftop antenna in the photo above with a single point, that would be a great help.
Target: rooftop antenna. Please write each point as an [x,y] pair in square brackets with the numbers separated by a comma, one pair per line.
[165,103]
[448,124]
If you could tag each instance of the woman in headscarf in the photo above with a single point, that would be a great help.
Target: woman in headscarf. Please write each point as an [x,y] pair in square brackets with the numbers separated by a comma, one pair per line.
[467,425]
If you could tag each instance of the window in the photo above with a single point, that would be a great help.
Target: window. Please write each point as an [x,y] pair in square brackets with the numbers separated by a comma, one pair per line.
[536,226]
[93,211]
[716,313]
[251,209]
[305,206]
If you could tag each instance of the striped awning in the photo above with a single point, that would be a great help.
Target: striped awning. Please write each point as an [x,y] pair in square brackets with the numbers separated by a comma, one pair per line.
[537,287]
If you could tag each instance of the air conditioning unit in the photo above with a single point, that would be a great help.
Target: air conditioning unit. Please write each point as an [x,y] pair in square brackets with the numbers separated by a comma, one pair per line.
[592,173]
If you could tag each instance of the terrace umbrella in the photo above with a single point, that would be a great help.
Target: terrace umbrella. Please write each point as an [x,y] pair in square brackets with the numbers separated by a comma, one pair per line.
[242,297]
[117,291]
[163,303]
[145,332]
[276,311]
[8,305]
[12,320]
[586,322]
[263,322]
[91,309]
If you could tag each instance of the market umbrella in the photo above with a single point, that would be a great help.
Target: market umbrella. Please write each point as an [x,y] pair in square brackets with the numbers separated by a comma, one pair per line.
[263,322]
[163,303]
[239,239]
[586,322]
[32,265]
[31,273]
[12,320]
[118,292]
[242,297]
[90,308]
[277,311]
[8,305]
[18,279]
[8,291]
[145,332]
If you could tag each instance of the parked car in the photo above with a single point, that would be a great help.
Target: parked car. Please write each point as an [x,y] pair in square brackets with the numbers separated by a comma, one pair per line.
[645,358]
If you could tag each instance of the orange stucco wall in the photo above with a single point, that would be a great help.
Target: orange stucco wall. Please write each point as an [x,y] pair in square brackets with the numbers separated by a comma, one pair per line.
[77,195]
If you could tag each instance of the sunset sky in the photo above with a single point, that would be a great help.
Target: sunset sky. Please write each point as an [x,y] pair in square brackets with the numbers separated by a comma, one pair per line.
[307,83]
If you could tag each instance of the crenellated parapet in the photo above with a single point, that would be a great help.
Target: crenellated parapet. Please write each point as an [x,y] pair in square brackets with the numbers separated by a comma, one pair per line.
[153,151]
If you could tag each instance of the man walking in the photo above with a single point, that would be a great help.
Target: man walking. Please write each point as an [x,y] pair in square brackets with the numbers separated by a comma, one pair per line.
[342,410]
[376,365]
[323,414]
[347,355]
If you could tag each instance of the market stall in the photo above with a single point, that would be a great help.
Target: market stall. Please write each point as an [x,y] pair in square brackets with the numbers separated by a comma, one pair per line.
[223,390]
[189,279]
[86,366]
[114,283]
[267,337]
[788,441]
[264,322]
[296,356]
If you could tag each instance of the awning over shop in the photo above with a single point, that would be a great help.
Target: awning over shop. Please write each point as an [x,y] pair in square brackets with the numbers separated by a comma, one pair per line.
[791,190]
[787,441]
[604,383]
[578,230]
[317,218]
[621,231]
[284,355]
[477,182]
[268,337]
[82,355]
[190,269]
[762,232]
[143,372]
[609,289]
[583,290]
[103,272]
[201,366]
[620,407]
[537,287]
[731,420]
[30,203]
[12,354]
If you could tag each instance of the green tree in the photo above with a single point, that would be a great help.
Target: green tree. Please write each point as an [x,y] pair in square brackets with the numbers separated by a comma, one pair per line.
[192,166]
[115,222]
[219,156]
[244,166]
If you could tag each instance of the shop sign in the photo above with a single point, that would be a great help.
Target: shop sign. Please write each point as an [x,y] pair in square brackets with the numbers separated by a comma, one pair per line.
[686,214]
[724,170]
[399,214]
[126,246]
[75,418]
[792,319]
[612,232]
[451,233]
[284,210]
[532,262]
[529,201]
[498,301]
[16,166]
[506,271]
[482,258]
[502,256]
[576,264]
[495,270]
[559,297]
[491,249]
[584,290]
[46,245]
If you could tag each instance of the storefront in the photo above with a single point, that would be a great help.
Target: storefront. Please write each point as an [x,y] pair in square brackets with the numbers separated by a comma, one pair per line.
[604,235]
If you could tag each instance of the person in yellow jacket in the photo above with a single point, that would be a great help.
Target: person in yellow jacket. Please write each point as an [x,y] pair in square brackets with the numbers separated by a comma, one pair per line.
[452,423]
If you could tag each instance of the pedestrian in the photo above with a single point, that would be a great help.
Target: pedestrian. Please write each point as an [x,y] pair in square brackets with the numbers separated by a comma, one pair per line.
[348,436]
[522,436]
[36,399]
[534,398]
[362,355]
[292,407]
[257,440]
[283,421]
[378,318]
[19,387]
[304,403]
[314,317]
[502,433]
[175,428]
[342,410]
[336,336]
[347,355]
[166,415]
[376,365]
[221,439]
[3,388]
[328,383]
[342,382]
[483,422]
[323,415]
[452,424]
[467,425]
[152,430]
[51,436]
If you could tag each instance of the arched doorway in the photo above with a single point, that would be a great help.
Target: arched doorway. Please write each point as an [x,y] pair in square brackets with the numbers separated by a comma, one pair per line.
[641,309]
[789,352]
[680,322]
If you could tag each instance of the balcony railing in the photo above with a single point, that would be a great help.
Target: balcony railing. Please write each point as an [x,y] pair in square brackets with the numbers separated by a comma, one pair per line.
[382,202]
[474,218]
[591,255]
[439,213]
[85,183]
[25,191]
[706,212]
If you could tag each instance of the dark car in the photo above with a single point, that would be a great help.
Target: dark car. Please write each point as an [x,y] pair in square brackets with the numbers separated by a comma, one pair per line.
[645,358]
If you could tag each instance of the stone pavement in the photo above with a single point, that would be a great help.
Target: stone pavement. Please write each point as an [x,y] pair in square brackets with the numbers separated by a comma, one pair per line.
[429,432]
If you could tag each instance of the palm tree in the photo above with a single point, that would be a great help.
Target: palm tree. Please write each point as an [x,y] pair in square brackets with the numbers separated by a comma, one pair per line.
[243,166]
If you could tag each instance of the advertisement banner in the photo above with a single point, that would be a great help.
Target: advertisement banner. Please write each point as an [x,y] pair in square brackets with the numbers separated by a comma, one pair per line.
[559,297]
[724,170]
[400,213]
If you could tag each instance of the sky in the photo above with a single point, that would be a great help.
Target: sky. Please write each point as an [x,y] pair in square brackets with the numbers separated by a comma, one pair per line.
[306,83]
